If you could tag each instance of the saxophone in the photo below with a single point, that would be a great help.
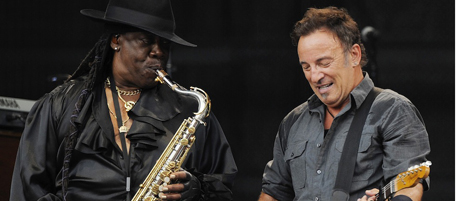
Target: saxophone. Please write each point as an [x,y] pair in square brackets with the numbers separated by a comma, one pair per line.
[176,151]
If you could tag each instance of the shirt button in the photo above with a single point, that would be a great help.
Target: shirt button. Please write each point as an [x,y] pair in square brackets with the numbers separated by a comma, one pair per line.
[316,198]
[318,171]
[318,145]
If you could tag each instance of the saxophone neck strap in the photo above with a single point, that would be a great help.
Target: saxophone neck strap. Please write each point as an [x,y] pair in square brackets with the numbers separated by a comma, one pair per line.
[347,161]
[125,153]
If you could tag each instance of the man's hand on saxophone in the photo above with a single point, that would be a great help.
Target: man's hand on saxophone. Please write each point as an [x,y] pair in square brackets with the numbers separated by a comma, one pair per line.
[185,187]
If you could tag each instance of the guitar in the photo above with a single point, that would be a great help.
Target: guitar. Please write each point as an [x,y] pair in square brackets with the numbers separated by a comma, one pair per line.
[404,180]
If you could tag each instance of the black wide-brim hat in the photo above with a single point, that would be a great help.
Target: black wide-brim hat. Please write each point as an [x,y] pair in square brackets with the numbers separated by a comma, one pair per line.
[154,16]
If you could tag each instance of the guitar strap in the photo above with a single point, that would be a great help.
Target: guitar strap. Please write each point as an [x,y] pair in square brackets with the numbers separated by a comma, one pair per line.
[347,161]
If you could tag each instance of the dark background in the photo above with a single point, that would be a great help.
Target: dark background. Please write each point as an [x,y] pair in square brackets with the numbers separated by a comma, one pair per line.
[245,61]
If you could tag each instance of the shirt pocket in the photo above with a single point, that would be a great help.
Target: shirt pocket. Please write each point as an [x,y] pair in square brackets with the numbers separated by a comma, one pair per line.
[363,168]
[295,158]
[364,144]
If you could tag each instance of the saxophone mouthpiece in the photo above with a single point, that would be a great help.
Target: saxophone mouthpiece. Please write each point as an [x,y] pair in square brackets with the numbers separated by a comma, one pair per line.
[163,77]
[160,76]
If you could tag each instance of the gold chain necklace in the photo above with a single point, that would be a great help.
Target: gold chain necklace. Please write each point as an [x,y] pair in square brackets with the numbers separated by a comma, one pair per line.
[123,92]
[127,104]
[123,128]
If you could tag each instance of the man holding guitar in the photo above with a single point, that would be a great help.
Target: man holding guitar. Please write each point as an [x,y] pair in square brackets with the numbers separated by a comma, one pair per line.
[309,161]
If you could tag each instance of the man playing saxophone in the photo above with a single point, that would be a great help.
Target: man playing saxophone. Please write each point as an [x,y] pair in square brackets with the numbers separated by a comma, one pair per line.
[98,135]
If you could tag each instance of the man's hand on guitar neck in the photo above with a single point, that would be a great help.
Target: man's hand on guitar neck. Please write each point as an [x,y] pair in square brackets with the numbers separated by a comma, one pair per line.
[414,193]
[370,195]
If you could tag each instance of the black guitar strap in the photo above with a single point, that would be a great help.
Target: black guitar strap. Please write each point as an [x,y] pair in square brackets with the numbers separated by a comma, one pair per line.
[347,161]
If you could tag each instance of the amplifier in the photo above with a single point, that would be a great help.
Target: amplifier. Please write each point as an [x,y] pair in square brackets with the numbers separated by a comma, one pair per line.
[14,111]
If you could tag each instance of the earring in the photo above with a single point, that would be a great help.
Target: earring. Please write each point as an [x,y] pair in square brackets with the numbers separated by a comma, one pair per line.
[116,49]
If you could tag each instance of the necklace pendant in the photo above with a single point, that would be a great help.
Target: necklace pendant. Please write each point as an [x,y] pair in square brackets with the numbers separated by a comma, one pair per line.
[123,129]
[129,105]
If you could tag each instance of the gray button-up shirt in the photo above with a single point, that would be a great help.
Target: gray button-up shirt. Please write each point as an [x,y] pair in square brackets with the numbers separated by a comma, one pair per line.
[305,162]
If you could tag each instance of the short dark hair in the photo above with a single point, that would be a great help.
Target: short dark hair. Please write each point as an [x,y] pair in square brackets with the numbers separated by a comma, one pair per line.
[335,20]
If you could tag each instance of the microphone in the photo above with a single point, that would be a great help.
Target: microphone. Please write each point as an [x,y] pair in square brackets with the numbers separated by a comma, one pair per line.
[369,34]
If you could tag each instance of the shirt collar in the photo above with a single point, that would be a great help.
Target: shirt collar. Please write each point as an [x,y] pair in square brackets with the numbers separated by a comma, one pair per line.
[361,91]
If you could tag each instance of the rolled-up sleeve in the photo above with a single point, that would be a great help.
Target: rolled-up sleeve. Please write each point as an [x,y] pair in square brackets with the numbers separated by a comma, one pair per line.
[406,141]
[276,177]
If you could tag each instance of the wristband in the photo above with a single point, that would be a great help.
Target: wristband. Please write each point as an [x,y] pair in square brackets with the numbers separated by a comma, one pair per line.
[425,184]
[401,198]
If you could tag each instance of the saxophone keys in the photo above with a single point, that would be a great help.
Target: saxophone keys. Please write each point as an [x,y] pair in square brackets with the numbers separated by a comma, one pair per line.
[184,142]
[155,189]
[191,130]
[171,164]
[164,174]
[166,180]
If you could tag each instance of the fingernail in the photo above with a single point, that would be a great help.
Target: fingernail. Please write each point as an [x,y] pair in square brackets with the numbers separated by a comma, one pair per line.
[165,189]
[172,176]
[162,195]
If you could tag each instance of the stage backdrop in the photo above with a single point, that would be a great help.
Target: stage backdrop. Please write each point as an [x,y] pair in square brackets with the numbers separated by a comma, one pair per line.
[247,64]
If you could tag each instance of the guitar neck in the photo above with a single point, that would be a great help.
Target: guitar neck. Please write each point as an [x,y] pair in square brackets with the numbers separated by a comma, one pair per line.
[404,180]
[388,190]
